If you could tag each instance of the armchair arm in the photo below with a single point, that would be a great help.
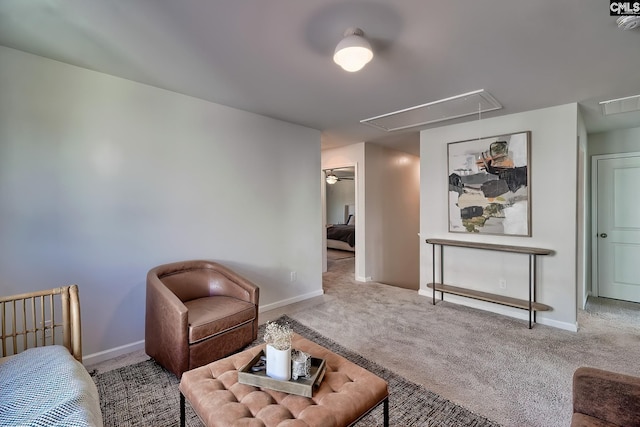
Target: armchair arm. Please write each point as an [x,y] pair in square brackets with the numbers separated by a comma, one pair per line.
[166,326]
[608,396]
[236,285]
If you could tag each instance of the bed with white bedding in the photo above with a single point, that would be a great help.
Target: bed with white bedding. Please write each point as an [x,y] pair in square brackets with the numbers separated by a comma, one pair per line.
[47,386]
[42,379]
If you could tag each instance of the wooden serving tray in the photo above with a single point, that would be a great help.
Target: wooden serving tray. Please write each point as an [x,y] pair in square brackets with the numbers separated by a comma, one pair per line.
[301,386]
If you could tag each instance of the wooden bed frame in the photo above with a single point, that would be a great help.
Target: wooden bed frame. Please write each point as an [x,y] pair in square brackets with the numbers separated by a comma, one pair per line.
[40,318]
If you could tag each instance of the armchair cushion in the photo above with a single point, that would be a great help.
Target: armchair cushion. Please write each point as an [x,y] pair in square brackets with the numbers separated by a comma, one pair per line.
[214,315]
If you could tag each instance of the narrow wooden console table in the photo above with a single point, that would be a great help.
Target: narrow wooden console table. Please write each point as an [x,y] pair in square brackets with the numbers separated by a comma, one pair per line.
[531,305]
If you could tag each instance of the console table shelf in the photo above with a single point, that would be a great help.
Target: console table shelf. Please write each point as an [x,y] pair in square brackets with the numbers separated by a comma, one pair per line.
[491,247]
[486,296]
[530,305]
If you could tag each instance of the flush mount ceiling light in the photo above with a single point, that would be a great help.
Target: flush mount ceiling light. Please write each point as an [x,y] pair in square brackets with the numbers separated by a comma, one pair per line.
[354,51]
[436,111]
[621,105]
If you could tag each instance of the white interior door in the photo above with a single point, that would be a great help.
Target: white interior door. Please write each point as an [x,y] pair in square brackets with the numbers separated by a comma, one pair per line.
[618,222]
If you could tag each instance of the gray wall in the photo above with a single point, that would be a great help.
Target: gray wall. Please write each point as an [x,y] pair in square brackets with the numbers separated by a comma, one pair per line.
[102,178]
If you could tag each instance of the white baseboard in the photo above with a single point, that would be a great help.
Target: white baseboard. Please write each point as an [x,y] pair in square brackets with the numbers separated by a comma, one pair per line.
[585,298]
[288,301]
[500,309]
[363,279]
[101,356]
[425,292]
[557,324]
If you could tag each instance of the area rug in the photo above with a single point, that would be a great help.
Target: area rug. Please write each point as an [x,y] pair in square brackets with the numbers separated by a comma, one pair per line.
[145,394]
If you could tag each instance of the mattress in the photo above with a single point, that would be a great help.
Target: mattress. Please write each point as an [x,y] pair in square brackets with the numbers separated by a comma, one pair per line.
[47,386]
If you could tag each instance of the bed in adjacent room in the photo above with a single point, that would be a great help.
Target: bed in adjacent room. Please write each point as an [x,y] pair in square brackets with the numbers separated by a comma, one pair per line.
[343,236]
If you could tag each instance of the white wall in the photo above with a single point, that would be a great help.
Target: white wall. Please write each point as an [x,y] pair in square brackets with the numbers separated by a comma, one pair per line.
[393,216]
[338,195]
[614,142]
[102,178]
[553,165]
[583,243]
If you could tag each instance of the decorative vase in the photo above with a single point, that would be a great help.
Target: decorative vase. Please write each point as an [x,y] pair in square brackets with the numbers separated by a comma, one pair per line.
[278,363]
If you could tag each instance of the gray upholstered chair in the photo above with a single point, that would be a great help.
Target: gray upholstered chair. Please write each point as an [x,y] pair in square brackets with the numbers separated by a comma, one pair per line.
[198,312]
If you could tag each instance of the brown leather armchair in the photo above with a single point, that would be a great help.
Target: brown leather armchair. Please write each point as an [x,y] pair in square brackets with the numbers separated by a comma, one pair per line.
[198,312]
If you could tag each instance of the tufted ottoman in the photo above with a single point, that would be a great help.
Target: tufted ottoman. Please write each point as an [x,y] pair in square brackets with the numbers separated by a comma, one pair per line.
[346,394]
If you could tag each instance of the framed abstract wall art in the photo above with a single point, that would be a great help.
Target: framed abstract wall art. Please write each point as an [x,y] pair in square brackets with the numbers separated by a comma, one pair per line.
[489,185]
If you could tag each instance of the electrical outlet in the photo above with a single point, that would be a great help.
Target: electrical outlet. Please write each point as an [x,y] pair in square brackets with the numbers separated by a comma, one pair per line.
[294,276]
[502,283]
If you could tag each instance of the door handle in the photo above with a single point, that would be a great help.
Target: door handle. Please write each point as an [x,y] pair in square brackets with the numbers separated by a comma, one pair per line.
[603,235]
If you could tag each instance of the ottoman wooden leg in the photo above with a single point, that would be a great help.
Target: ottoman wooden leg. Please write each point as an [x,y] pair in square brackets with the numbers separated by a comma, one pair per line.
[386,412]
[182,410]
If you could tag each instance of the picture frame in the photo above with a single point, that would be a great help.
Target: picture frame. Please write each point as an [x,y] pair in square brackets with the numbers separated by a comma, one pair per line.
[489,185]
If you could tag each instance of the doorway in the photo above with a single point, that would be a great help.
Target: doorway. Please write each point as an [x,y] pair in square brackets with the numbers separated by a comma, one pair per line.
[340,214]
[616,225]
[340,207]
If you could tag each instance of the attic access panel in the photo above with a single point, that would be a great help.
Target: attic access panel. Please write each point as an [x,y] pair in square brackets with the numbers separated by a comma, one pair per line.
[621,105]
[437,111]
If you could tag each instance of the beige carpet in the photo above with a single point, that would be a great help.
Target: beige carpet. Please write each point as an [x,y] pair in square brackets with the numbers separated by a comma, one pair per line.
[488,363]
[336,254]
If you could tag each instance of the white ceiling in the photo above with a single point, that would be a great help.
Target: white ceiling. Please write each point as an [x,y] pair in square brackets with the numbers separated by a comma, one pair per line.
[274,57]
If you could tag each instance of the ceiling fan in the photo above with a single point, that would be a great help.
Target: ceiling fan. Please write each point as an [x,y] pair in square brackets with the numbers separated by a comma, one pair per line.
[332,178]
